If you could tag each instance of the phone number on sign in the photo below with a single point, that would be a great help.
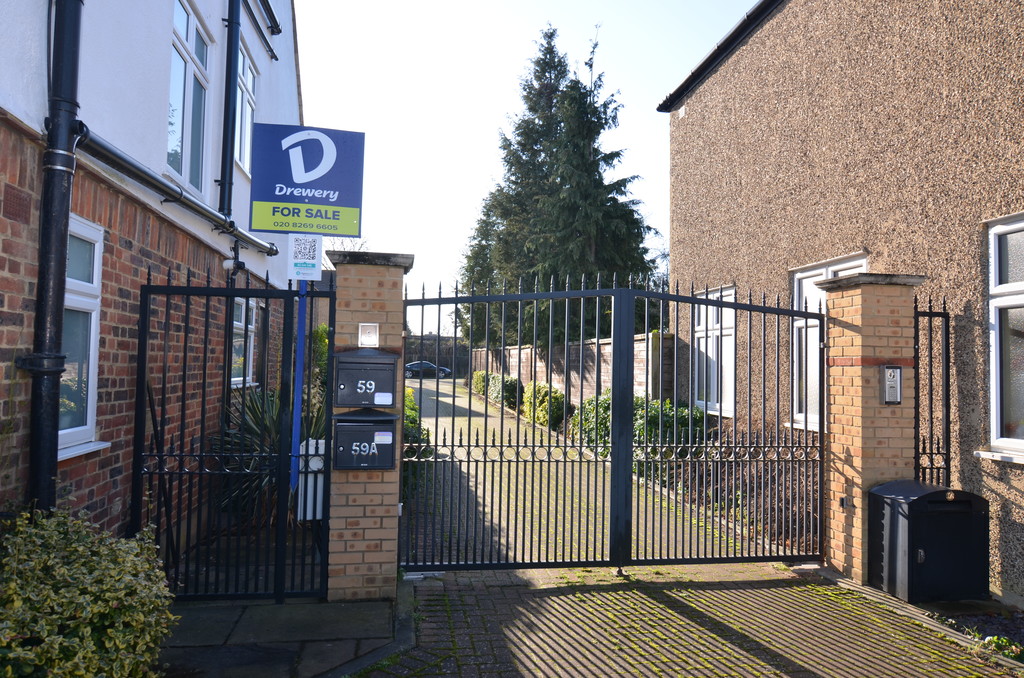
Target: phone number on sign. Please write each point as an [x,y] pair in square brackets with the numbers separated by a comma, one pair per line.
[304,225]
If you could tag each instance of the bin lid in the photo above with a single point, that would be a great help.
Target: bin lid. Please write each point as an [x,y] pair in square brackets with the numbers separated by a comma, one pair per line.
[912,491]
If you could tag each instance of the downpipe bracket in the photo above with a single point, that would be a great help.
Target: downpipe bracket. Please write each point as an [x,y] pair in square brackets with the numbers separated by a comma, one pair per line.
[41,363]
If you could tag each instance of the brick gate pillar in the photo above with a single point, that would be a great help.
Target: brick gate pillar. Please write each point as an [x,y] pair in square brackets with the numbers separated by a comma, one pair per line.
[363,548]
[870,325]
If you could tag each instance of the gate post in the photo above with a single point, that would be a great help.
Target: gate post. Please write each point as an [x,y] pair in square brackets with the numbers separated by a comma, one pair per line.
[621,425]
[870,325]
[363,537]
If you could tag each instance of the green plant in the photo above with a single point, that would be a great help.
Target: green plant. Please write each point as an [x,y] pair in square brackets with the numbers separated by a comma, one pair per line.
[1004,646]
[660,428]
[1007,647]
[479,382]
[505,390]
[543,404]
[314,395]
[248,447]
[76,601]
[415,437]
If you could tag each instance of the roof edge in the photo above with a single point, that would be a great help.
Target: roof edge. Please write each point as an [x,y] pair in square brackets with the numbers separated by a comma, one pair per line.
[747,25]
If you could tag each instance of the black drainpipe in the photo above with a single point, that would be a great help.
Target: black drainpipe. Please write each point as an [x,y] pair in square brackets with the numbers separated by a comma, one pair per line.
[227,149]
[46,362]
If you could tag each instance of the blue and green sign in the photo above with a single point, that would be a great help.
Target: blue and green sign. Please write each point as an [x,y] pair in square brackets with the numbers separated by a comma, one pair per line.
[306,180]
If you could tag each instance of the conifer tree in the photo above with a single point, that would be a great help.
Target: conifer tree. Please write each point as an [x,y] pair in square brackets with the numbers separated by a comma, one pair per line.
[554,216]
[554,213]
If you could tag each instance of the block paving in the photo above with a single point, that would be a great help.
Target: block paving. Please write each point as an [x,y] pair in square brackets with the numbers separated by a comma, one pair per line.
[691,620]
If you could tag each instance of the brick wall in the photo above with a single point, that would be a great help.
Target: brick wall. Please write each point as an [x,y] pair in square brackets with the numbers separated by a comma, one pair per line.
[136,240]
[871,324]
[363,551]
[654,367]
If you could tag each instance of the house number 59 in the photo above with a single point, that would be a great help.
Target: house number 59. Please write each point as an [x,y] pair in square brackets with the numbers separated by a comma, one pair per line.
[365,386]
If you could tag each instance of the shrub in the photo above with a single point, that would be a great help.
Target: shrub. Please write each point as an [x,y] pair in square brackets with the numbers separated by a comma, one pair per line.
[540,401]
[479,382]
[414,436]
[78,601]
[655,422]
[505,390]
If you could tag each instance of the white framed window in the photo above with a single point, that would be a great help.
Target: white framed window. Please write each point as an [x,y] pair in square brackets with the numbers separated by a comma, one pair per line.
[806,341]
[190,82]
[1006,335]
[246,112]
[243,341]
[714,353]
[80,340]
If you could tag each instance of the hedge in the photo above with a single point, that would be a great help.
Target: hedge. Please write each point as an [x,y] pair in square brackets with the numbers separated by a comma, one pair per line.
[543,404]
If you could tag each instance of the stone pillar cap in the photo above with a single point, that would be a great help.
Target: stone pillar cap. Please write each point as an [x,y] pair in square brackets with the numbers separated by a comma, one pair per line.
[858,279]
[339,257]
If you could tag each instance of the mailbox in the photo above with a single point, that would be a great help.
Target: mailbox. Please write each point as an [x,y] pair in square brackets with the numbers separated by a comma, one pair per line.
[365,439]
[365,378]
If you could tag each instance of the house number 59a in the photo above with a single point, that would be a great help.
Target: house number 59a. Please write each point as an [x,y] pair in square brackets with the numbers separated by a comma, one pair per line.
[365,386]
[364,448]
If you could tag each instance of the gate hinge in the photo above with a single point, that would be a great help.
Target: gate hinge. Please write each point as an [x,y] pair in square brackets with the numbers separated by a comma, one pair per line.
[41,363]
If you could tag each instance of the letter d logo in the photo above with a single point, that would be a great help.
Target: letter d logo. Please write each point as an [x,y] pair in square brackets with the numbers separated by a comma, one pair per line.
[299,172]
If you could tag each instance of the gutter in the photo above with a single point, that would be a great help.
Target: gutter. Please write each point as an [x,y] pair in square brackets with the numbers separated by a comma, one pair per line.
[110,155]
[753,20]
[275,24]
[259,31]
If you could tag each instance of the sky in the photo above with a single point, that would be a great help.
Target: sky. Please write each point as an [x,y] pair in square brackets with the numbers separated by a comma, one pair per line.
[432,84]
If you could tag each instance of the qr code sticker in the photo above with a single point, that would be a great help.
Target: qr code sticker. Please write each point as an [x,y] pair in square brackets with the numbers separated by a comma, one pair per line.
[305,249]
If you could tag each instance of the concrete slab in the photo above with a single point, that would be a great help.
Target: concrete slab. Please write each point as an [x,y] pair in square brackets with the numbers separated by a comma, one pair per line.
[226,661]
[322,656]
[313,621]
[203,625]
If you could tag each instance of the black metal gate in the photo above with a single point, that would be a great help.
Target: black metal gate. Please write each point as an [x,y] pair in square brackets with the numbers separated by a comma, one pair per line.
[611,426]
[931,388]
[238,503]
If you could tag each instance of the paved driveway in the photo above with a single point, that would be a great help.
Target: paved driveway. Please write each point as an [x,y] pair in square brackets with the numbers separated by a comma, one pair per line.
[706,620]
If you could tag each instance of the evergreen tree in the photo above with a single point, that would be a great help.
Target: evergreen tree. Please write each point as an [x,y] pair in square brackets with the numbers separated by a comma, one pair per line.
[554,216]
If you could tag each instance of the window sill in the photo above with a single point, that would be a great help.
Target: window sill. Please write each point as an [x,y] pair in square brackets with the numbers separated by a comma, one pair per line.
[1009,456]
[73,451]
[242,383]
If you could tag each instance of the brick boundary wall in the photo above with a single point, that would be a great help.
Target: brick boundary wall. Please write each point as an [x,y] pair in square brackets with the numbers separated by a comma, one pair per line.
[870,324]
[654,368]
[363,544]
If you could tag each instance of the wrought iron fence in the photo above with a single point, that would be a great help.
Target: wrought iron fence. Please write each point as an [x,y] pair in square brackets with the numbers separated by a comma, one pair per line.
[237,501]
[931,389]
[614,425]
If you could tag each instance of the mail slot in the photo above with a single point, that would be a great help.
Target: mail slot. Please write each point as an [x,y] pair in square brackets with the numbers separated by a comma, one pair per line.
[365,439]
[365,378]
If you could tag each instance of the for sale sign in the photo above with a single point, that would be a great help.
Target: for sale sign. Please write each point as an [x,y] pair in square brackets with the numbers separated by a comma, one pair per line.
[306,180]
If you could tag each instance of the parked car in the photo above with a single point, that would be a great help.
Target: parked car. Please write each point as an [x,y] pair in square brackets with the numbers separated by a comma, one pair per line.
[421,368]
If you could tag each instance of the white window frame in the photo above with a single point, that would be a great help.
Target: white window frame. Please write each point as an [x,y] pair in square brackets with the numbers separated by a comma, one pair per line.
[184,46]
[246,113]
[85,296]
[714,351]
[248,326]
[1001,296]
[807,296]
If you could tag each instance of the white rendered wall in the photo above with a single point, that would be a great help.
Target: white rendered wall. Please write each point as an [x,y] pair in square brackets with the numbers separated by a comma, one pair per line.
[124,74]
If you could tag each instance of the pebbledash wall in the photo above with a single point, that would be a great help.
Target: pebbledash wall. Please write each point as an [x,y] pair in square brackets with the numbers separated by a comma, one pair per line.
[136,240]
[874,130]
